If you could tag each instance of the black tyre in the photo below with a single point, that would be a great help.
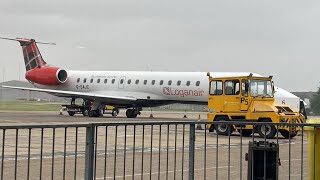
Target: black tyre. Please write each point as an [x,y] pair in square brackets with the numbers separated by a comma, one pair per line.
[85,112]
[211,129]
[268,131]
[100,112]
[245,132]
[93,113]
[115,112]
[223,129]
[71,113]
[134,115]
[130,113]
[287,135]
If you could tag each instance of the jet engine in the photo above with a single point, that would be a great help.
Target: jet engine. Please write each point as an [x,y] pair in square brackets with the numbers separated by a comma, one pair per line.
[47,75]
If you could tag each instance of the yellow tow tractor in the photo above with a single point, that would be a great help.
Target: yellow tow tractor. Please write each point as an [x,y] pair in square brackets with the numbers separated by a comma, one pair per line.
[248,98]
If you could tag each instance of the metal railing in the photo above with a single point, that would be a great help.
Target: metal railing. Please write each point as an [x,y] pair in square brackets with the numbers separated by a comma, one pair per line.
[146,150]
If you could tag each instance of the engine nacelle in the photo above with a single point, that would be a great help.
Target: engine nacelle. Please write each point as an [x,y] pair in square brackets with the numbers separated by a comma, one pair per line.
[47,75]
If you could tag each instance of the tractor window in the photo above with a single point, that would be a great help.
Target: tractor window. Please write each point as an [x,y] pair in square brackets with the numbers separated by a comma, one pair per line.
[232,87]
[261,88]
[245,88]
[216,87]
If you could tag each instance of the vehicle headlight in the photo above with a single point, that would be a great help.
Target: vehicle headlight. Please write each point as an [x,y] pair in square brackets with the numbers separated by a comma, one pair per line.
[210,110]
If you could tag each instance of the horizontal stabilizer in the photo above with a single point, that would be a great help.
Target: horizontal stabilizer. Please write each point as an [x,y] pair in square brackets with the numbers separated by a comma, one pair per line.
[26,40]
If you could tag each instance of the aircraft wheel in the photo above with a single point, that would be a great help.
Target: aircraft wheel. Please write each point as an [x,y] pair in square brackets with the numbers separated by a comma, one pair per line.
[85,112]
[71,113]
[130,113]
[99,112]
[92,113]
[115,112]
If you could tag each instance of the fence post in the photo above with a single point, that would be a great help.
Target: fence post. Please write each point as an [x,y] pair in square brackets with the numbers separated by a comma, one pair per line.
[89,155]
[191,150]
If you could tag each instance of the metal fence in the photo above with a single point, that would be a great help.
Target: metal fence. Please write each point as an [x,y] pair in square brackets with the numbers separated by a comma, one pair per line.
[148,150]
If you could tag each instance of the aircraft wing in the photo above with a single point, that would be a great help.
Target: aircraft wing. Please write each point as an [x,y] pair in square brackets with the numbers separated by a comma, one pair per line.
[86,95]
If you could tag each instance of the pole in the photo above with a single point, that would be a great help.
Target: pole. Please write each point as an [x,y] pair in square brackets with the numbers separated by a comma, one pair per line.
[192,139]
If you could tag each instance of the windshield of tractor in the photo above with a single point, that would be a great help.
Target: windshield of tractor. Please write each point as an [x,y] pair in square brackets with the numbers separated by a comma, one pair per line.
[261,88]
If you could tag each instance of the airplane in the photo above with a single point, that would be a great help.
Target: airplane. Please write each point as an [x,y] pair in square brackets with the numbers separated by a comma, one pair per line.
[131,90]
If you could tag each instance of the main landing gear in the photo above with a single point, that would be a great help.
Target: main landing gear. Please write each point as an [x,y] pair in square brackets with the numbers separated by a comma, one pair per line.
[95,113]
[96,110]
[133,113]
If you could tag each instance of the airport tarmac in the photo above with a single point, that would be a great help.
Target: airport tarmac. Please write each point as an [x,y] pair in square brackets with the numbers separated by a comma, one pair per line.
[27,117]
[168,148]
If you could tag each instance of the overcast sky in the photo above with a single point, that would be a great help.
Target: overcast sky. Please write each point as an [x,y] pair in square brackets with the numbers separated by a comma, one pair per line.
[269,37]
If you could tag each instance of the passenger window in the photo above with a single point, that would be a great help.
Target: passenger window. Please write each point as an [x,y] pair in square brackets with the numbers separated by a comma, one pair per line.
[129,81]
[198,83]
[113,80]
[98,81]
[179,83]
[78,80]
[188,83]
[232,87]
[105,81]
[169,83]
[84,80]
[91,80]
[145,82]
[153,82]
[137,81]
[121,81]
[215,87]
[161,82]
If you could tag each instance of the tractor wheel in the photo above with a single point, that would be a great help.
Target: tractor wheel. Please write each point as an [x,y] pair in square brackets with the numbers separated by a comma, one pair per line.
[287,135]
[268,131]
[223,129]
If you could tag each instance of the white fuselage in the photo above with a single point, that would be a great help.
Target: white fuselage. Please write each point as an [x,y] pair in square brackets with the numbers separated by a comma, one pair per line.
[185,87]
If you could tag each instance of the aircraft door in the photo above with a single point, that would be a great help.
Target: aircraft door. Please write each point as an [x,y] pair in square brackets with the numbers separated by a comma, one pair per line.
[121,82]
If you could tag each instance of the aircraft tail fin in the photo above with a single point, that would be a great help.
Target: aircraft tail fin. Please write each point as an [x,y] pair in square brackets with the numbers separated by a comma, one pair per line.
[31,53]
